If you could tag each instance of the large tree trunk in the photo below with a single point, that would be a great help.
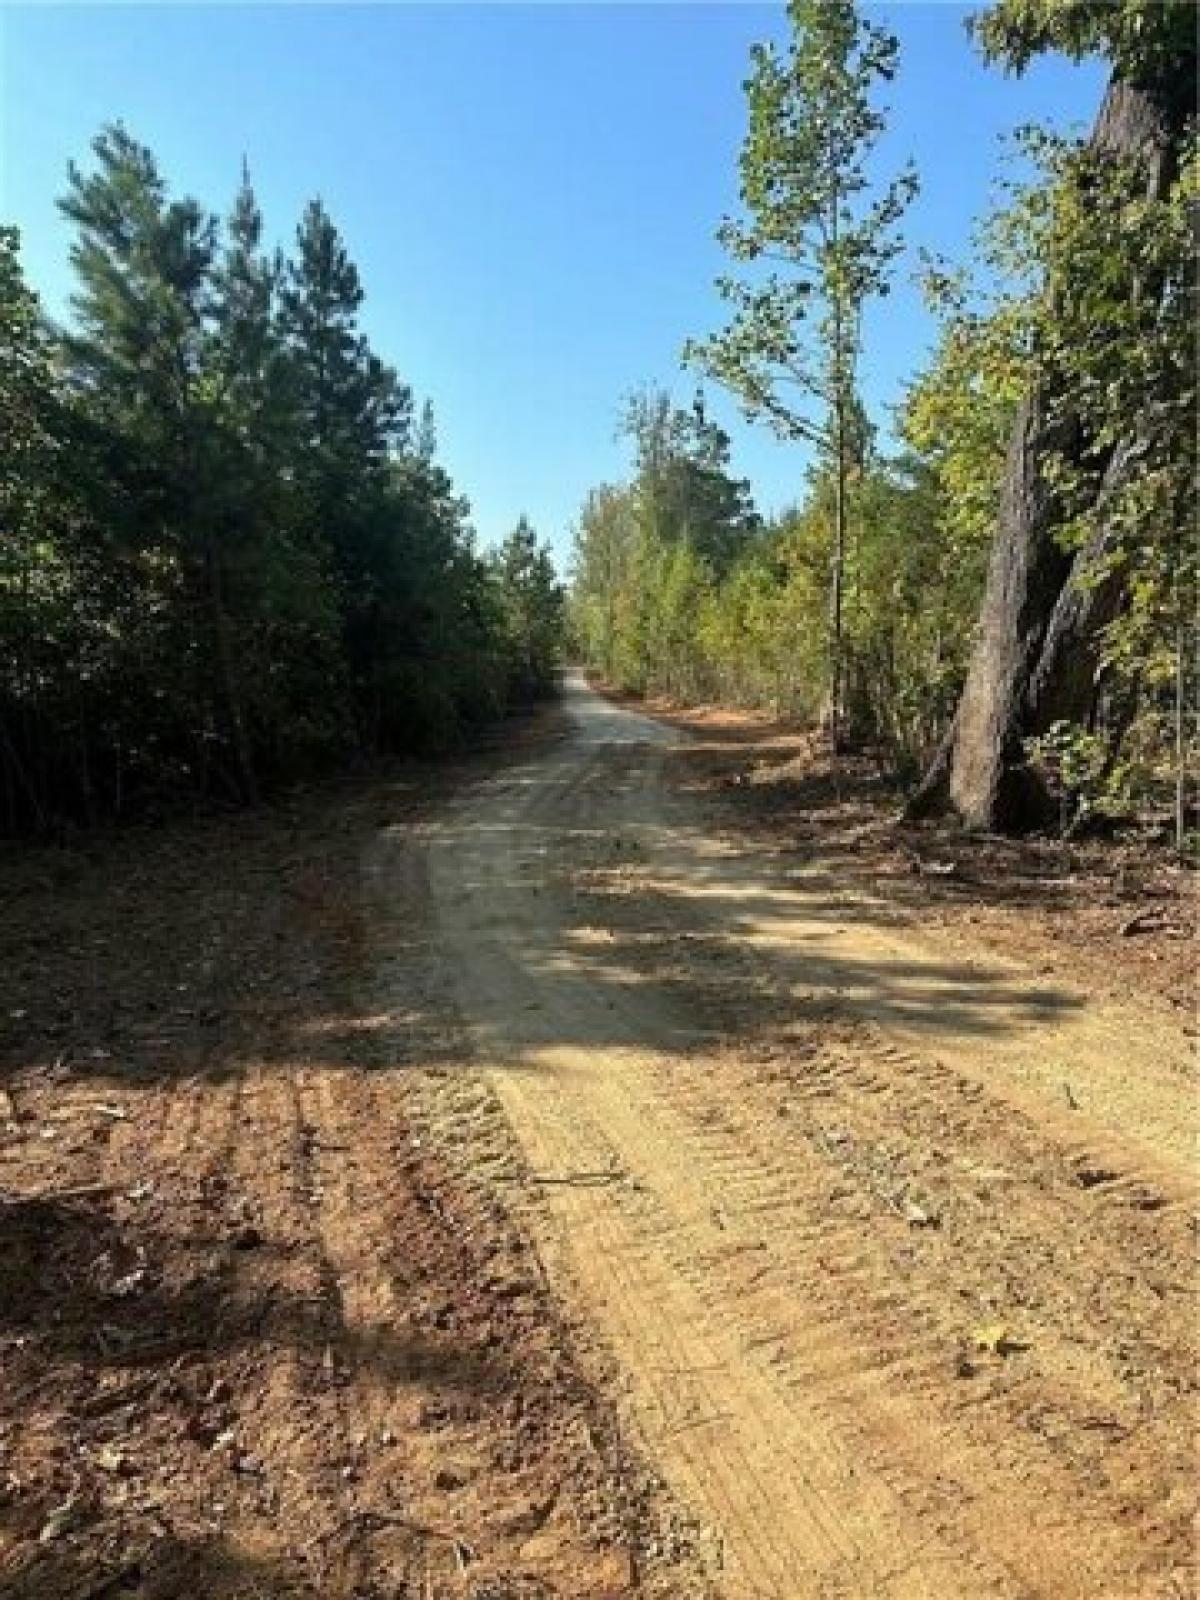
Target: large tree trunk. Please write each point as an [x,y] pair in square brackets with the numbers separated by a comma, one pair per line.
[990,785]
[1035,657]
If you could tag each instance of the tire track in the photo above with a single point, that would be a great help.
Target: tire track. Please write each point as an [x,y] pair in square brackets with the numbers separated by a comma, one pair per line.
[788,1339]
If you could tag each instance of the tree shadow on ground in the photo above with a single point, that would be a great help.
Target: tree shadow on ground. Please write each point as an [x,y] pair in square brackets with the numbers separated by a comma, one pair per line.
[151,1565]
[80,1286]
[194,955]
[662,916]
[215,945]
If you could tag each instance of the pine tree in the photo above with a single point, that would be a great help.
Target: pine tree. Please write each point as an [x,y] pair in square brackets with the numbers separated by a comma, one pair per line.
[145,265]
[531,602]
[353,411]
[225,561]
[683,482]
[279,583]
[33,616]
[353,416]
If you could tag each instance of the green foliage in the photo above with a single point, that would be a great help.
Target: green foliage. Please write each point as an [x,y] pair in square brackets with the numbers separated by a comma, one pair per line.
[1083,775]
[648,556]
[1117,337]
[1084,295]
[1140,37]
[822,245]
[684,487]
[653,612]
[816,243]
[229,560]
[602,570]
[532,613]
[957,415]
[914,588]
[765,630]
[1092,303]
[231,557]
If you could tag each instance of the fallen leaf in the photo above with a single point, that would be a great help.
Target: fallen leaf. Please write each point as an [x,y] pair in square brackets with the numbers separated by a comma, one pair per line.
[993,1339]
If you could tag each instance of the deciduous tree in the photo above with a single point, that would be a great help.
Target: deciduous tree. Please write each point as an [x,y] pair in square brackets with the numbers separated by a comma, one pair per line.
[1097,430]
[818,239]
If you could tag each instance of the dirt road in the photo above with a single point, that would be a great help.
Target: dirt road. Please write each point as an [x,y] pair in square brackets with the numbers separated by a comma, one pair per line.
[398,1182]
[887,1237]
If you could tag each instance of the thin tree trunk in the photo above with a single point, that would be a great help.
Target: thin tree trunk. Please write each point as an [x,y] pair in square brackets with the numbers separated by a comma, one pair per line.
[1180,736]
[19,776]
[838,563]
[229,687]
[837,581]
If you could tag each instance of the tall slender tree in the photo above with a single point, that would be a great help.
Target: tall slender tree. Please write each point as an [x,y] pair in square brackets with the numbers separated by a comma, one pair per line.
[141,356]
[817,239]
[602,564]
[354,411]
[353,415]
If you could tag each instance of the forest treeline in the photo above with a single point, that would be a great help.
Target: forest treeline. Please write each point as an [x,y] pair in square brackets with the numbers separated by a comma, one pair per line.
[680,587]
[1002,600]
[230,558]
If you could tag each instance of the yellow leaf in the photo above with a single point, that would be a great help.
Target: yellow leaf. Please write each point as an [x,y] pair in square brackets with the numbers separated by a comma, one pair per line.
[991,1337]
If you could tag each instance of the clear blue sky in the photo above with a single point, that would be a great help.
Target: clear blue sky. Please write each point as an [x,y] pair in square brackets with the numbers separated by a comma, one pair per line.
[530,191]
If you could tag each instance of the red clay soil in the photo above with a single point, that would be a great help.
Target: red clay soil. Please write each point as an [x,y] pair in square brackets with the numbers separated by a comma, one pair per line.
[257,1336]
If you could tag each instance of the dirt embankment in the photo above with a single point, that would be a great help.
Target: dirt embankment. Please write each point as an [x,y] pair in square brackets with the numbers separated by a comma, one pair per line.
[259,1336]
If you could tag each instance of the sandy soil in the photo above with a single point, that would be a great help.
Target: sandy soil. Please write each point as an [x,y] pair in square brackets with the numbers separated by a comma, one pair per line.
[621,1163]
[888,1233]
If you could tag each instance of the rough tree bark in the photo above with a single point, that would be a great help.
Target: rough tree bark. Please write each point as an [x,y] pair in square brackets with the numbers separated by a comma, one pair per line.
[1034,660]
